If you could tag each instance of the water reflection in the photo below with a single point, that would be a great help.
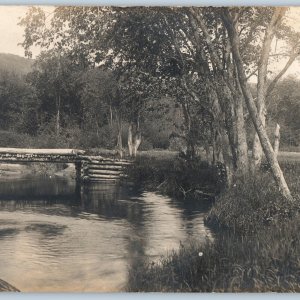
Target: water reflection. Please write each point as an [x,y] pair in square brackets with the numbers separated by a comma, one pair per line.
[62,238]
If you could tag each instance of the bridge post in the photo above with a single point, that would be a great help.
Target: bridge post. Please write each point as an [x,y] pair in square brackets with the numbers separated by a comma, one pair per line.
[78,165]
[85,171]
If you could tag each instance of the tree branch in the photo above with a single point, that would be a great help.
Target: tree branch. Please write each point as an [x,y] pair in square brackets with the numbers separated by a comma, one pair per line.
[281,73]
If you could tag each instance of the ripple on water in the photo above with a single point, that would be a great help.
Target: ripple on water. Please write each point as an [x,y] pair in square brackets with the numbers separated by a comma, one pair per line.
[62,243]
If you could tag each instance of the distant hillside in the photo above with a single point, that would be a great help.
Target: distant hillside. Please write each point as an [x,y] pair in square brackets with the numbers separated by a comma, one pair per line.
[15,63]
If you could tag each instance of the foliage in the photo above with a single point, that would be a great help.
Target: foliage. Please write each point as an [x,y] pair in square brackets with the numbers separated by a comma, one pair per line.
[284,109]
[250,205]
[177,177]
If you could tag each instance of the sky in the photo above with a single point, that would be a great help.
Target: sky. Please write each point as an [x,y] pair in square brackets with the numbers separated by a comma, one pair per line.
[11,34]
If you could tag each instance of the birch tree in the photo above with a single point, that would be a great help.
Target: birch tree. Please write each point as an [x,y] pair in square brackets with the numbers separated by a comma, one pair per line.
[255,113]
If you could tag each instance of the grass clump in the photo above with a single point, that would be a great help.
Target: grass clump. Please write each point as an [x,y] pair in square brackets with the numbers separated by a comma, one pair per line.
[265,262]
[249,205]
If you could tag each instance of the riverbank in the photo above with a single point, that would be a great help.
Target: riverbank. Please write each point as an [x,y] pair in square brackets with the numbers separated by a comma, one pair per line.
[267,261]
[256,246]
[177,177]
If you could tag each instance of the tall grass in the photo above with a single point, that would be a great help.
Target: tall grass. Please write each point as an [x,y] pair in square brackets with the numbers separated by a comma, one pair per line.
[264,262]
[249,205]
[257,252]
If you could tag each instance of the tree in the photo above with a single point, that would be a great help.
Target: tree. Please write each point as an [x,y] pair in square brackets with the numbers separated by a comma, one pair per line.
[186,53]
[18,104]
[106,35]
[53,79]
[229,23]
[283,105]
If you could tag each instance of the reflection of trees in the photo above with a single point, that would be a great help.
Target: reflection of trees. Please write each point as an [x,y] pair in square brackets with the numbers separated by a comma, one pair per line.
[148,224]
[36,192]
[112,201]
[43,187]
[192,216]
[120,202]
[189,209]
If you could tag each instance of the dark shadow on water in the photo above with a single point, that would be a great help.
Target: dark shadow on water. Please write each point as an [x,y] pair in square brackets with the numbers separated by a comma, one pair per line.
[46,229]
[5,232]
[64,197]
[112,201]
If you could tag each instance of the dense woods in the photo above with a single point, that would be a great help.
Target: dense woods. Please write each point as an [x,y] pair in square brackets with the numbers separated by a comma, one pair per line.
[173,78]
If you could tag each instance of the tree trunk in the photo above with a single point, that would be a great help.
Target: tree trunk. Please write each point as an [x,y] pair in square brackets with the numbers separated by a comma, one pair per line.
[58,116]
[134,138]
[119,136]
[137,142]
[257,151]
[227,158]
[259,127]
[277,140]
[130,140]
[111,116]
[119,143]
[190,139]
[241,140]
[222,143]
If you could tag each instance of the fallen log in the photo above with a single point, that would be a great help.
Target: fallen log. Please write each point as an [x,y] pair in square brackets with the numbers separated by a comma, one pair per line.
[106,167]
[111,162]
[103,171]
[95,176]
[41,151]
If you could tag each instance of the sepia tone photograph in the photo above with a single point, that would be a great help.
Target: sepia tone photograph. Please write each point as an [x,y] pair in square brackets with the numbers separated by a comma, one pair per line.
[150,149]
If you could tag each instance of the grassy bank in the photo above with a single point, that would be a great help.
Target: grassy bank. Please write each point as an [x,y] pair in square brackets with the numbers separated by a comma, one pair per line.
[256,247]
[263,262]
[176,176]
[250,205]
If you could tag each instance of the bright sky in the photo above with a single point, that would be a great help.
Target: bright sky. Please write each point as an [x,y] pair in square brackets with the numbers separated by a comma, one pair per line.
[11,34]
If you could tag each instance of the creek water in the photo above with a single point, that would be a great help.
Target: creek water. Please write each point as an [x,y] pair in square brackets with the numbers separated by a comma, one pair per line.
[56,237]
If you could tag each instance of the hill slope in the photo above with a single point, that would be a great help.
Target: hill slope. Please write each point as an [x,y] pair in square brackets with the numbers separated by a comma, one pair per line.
[15,63]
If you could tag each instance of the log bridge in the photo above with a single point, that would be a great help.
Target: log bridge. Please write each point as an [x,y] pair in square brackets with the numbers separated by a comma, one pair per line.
[88,168]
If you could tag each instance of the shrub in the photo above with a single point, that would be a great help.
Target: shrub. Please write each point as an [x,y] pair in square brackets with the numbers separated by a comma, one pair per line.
[176,177]
[13,139]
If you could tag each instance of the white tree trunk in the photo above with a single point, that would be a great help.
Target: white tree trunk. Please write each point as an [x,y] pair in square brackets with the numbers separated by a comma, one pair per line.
[241,140]
[257,151]
[259,127]
[57,122]
[134,140]
[119,137]
[277,140]
[130,140]
[137,142]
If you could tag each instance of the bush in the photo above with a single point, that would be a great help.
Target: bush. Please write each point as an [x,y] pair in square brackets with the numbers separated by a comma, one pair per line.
[176,177]
[13,139]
